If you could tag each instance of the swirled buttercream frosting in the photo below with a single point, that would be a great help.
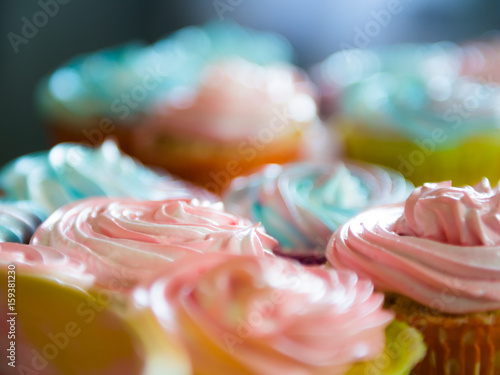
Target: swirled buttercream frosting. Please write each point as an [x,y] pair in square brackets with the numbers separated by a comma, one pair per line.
[19,220]
[261,315]
[123,240]
[302,204]
[121,82]
[234,100]
[46,262]
[440,248]
[71,171]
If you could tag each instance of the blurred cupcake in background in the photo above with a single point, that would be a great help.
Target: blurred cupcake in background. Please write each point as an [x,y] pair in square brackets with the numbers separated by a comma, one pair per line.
[97,95]
[349,66]
[481,58]
[302,204]
[70,171]
[430,123]
[107,92]
[242,115]
[19,220]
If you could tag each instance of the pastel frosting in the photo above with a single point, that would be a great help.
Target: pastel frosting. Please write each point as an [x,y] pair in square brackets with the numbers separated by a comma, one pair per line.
[46,262]
[92,84]
[349,67]
[56,303]
[448,109]
[419,92]
[19,220]
[124,240]
[440,248]
[302,204]
[71,171]
[234,100]
[96,84]
[261,315]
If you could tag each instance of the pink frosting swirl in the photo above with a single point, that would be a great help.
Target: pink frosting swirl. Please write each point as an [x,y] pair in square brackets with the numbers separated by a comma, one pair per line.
[262,315]
[462,216]
[234,100]
[46,261]
[440,249]
[123,240]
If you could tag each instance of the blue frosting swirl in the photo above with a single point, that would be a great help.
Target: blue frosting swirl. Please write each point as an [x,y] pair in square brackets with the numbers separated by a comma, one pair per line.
[19,220]
[96,84]
[415,91]
[70,171]
[302,204]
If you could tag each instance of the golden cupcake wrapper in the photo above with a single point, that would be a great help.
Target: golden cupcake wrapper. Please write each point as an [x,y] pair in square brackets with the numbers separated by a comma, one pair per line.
[465,162]
[467,344]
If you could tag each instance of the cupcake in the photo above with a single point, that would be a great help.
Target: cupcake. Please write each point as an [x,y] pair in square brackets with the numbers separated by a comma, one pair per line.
[53,318]
[262,315]
[124,240]
[19,220]
[241,115]
[436,258]
[97,95]
[302,204]
[431,123]
[338,72]
[71,171]
[107,92]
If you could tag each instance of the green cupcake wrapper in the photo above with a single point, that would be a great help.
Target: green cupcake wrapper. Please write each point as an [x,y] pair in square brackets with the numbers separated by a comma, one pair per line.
[404,348]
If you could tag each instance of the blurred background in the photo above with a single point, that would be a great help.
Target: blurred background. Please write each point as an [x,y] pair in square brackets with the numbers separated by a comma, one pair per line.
[315,30]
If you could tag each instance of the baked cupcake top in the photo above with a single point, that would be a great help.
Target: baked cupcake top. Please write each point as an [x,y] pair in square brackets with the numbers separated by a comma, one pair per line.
[122,82]
[262,315]
[123,240]
[70,171]
[441,248]
[302,204]
[234,100]
[19,220]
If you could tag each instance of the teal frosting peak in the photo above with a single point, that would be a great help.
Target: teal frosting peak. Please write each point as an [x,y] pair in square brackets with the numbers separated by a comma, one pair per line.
[70,171]
[19,220]
[124,81]
[413,91]
[302,204]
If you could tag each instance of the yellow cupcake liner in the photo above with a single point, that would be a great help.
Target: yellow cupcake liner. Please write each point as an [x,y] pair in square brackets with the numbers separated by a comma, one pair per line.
[427,160]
